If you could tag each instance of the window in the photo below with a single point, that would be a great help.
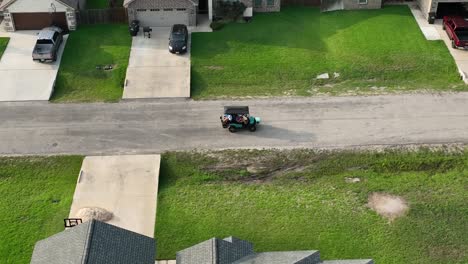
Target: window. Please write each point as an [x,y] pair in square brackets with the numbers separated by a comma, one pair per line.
[141,10]
[181,9]
[258,3]
[270,2]
[167,9]
[55,37]
[363,2]
[154,10]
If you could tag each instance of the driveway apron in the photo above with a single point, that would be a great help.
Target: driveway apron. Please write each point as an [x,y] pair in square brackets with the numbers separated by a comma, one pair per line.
[126,186]
[153,72]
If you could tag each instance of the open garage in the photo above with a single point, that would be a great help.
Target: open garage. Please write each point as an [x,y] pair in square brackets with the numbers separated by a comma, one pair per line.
[451,9]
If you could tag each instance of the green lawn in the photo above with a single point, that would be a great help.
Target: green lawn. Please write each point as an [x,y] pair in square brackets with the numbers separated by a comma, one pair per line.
[78,79]
[3,45]
[100,4]
[373,51]
[298,200]
[35,197]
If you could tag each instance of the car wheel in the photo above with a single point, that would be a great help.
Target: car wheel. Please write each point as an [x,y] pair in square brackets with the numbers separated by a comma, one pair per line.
[232,129]
[453,44]
[443,26]
[253,128]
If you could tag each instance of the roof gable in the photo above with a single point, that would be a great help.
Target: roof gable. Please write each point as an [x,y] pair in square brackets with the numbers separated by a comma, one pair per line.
[95,242]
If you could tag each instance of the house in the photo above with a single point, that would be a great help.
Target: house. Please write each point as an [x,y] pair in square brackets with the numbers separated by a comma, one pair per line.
[232,250]
[432,9]
[37,14]
[160,13]
[95,242]
[332,5]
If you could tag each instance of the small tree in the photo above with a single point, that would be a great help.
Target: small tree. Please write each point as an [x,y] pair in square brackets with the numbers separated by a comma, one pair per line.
[230,10]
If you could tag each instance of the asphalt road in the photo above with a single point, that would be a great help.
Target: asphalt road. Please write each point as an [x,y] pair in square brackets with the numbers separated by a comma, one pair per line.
[156,126]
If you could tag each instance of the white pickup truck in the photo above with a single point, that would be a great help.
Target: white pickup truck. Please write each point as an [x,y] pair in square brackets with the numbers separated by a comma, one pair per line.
[47,44]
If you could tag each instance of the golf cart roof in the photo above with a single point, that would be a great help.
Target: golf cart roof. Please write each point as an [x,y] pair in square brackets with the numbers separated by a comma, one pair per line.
[240,110]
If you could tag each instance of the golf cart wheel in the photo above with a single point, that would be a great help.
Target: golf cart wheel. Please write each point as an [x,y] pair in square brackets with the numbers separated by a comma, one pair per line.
[253,128]
[232,129]
[225,126]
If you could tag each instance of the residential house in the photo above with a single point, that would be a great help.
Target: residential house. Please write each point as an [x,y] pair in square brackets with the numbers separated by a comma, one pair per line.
[37,14]
[159,13]
[232,250]
[95,242]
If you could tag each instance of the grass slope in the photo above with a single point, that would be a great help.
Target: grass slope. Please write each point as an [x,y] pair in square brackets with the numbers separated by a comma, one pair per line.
[299,200]
[78,79]
[36,195]
[374,51]
[3,45]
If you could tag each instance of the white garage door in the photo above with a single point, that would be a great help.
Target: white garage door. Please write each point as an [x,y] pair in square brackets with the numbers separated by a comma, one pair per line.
[162,17]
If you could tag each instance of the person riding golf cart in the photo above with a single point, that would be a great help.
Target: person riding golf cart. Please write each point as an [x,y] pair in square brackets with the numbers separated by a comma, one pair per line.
[238,117]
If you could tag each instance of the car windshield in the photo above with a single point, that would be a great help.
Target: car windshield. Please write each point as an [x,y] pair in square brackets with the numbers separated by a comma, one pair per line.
[44,41]
[177,36]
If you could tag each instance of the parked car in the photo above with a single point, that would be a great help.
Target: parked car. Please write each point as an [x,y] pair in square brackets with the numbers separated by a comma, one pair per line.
[178,39]
[457,30]
[47,44]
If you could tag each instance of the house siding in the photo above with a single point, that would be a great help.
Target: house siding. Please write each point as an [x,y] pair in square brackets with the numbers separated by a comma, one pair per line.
[34,6]
[354,4]
[161,4]
[265,7]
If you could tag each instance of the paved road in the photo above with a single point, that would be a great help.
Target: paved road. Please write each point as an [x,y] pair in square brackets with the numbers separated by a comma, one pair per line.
[156,126]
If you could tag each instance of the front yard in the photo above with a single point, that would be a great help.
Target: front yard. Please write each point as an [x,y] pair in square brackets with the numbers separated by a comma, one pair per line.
[371,51]
[36,194]
[300,200]
[3,45]
[82,77]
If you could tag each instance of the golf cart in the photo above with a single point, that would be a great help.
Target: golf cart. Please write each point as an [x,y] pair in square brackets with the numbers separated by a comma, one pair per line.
[238,117]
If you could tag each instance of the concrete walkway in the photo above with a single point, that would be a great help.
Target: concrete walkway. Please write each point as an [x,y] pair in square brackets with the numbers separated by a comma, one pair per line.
[127,186]
[153,72]
[23,79]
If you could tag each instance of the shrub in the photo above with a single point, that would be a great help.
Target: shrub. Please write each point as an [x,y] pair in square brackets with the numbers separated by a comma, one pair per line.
[216,25]
[230,10]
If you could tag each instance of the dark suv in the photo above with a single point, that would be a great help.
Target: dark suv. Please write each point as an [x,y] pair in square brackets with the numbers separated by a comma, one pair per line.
[178,39]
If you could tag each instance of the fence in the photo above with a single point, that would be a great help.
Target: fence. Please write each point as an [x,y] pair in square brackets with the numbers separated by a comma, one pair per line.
[300,2]
[102,16]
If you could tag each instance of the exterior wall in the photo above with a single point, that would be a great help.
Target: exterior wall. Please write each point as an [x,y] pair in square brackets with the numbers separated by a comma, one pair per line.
[264,7]
[161,4]
[34,6]
[425,6]
[354,4]
[202,253]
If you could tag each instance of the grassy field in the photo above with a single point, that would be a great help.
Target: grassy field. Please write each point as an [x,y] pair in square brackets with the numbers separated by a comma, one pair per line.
[78,78]
[373,51]
[36,194]
[298,200]
[3,45]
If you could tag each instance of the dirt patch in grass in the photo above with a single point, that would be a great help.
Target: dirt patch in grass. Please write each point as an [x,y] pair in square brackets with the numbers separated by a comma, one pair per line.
[388,206]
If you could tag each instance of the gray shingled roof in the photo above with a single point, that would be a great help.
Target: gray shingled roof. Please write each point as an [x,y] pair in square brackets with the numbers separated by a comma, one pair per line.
[127,2]
[286,257]
[95,242]
[232,250]
[70,3]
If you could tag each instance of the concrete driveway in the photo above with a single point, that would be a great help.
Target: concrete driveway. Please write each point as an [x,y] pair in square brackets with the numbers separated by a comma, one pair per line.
[23,79]
[153,72]
[125,185]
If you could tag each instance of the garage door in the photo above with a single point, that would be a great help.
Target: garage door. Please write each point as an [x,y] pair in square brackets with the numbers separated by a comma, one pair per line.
[162,17]
[33,21]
